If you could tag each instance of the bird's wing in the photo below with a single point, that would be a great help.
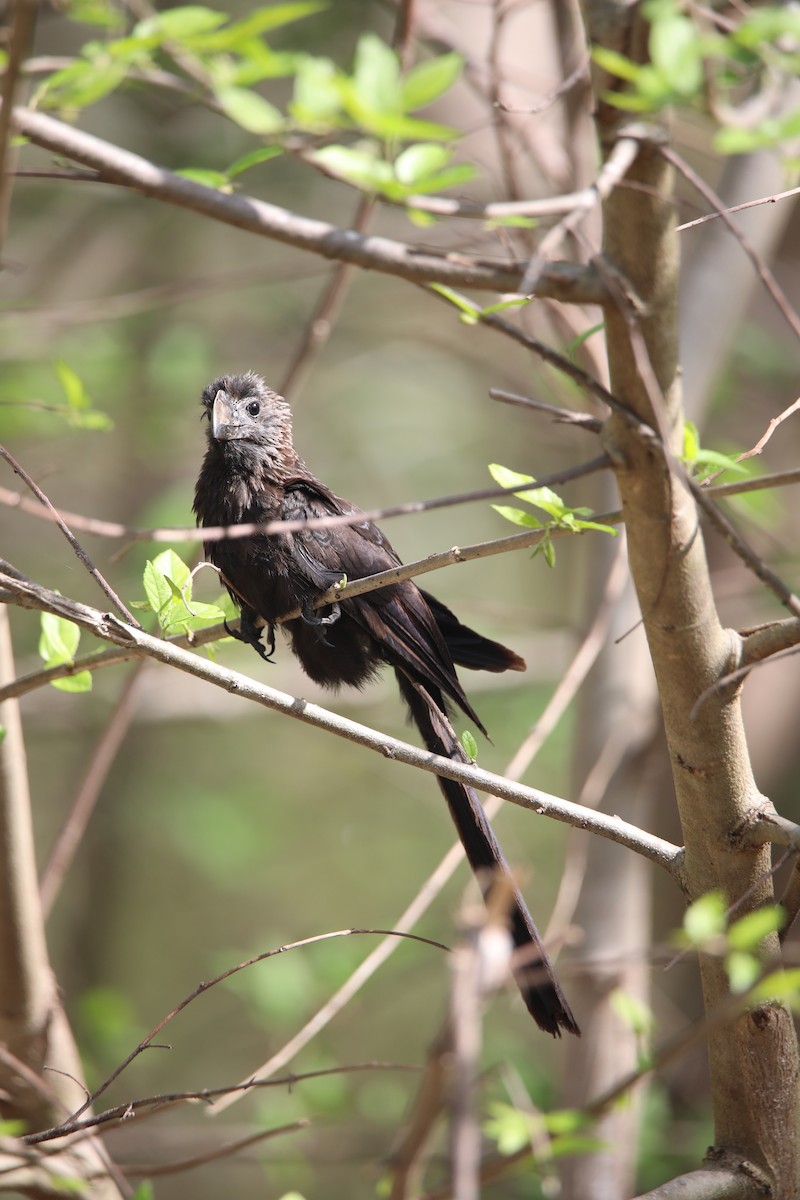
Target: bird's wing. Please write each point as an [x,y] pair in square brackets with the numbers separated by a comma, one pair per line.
[397,616]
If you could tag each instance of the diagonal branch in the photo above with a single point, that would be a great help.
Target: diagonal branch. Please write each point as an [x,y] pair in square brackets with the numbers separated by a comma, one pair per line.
[26,594]
[566,282]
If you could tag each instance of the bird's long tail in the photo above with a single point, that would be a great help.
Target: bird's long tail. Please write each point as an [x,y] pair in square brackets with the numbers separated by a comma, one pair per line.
[534,974]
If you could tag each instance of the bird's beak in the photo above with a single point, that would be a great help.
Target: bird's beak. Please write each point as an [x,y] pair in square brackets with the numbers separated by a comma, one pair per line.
[223,426]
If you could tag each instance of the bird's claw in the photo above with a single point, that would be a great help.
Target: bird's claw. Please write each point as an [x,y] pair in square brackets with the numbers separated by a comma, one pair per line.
[251,636]
[310,617]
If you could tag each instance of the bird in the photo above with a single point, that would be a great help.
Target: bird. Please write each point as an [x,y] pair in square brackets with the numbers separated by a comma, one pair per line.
[251,473]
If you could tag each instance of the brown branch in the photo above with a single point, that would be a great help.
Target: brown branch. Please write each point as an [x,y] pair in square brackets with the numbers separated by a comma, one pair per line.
[104,625]
[71,832]
[73,1123]
[562,281]
[227,1150]
[113,529]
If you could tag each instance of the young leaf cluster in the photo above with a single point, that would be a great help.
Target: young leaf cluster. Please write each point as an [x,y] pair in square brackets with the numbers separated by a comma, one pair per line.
[398,155]
[703,66]
[168,588]
[547,501]
[698,459]
[706,927]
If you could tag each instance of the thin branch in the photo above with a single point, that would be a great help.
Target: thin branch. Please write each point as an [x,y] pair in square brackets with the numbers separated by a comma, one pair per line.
[99,659]
[108,627]
[218,533]
[69,535]
[716,215]
[73,1122]
[766,276]
[227,1150]
[614,169]
[72,831]
[567,282]
[564,416]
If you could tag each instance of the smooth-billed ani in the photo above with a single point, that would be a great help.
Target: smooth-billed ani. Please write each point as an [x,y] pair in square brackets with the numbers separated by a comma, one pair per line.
[252,473]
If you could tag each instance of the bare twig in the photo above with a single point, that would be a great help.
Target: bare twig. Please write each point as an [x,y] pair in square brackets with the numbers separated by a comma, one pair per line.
[227,1150]
[762,270]
[69,535]
[72,1123]
[214,533]
[74,827]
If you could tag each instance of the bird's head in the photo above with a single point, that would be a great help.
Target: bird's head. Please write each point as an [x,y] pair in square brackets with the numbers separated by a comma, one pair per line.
[241,408]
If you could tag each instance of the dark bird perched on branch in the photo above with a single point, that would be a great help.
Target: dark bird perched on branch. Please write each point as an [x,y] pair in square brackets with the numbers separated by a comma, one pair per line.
[252,473]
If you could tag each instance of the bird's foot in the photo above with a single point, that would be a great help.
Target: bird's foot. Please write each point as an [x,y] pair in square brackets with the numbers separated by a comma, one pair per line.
[250,634]
[310,617]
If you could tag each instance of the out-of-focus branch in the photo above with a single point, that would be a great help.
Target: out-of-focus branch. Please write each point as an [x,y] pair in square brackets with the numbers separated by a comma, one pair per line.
[566,282]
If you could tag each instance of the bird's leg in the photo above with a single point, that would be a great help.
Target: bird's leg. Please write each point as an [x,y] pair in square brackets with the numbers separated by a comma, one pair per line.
[250,630]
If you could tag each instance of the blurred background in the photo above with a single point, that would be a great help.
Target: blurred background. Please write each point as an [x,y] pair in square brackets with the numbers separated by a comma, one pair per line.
[222,830]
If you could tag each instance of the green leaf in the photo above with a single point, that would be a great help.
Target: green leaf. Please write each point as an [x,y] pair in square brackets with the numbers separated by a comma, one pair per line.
[421,160]
[256,23]
[511,221]
[317,96]
[249,111]
[634,1014]
[676,53]
[547,550]
[58,644]
[517,302]
[81,681]
[466,306]
[451,177]
[82,83]
[691,441]
[616,63]
[178,24]
[361,167]
[429,80]
[253,159]
[74,391]
[743,971]
[749,931]
[376,76]
[59,639]
[705,919]
[505,477]
[508,1127]
[572,347]
[779,985]
[211,179]
[470,745]
[518,516]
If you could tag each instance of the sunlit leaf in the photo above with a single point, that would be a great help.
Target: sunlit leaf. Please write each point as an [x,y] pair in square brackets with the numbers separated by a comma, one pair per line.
[376,75]
[249,110]
[705,918]
[253,159]
[429,80]
[178,24]
[750,930]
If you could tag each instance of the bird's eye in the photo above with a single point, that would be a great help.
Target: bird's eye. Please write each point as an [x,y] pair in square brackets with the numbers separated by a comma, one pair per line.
[254,408]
